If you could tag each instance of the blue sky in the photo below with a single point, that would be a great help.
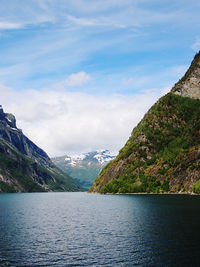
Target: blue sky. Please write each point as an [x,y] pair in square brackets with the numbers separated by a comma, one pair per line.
[119,50]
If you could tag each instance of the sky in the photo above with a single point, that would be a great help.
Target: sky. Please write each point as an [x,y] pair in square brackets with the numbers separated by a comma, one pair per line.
[80,74]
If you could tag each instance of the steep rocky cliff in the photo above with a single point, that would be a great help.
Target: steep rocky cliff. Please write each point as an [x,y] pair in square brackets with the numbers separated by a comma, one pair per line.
[24,167]
[189,85]
[163,152]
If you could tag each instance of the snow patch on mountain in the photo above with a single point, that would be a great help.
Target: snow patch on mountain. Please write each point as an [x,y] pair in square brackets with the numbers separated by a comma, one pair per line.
[84,167]
[100,156]
[103,157]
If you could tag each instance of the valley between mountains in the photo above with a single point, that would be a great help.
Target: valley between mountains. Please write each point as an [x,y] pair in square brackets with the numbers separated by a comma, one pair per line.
[162,154]
[84,167]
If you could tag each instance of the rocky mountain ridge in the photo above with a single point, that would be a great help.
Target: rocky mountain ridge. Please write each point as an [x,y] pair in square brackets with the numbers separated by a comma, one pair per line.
[24,167]
[15,137]
[189,85]
[163,151]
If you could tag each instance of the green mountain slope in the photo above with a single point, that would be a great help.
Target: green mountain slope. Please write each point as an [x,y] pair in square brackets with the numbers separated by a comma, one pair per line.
[24,167]
[163,152]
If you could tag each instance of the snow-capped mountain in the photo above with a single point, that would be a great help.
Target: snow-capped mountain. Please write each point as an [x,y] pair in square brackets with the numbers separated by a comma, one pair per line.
[101,156]
[84,168]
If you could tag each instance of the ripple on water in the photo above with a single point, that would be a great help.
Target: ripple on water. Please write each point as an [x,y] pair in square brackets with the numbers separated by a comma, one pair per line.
[79,229]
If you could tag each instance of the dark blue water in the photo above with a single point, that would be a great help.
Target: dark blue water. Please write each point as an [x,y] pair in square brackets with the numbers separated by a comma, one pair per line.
[80,229]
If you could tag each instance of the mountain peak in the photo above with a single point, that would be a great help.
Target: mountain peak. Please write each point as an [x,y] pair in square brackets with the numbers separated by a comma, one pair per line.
[84,167]
[7,119]
[189,85]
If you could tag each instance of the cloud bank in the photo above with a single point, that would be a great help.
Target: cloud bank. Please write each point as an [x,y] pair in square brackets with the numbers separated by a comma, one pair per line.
[62,122]
[125,48]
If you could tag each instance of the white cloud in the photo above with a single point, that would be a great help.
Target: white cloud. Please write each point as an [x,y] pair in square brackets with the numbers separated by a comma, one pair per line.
[92,22]
[128,81]
[116,13]
[59,44]
[62,122]
[178,71]
[78,79]
[83,21]
[165,90]
[196,45]
[10,25]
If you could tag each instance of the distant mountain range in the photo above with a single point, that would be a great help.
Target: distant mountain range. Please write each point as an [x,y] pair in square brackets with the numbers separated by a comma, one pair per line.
[24,167]
[84,168]
[163,151]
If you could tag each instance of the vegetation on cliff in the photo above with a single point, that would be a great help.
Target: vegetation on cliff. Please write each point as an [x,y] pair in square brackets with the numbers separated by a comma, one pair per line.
[162,154]
[19,173]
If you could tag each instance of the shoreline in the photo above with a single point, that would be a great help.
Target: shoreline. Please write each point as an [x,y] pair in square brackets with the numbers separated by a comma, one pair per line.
[145,193]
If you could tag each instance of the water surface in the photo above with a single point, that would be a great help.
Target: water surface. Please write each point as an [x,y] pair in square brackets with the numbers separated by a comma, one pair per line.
[80,229]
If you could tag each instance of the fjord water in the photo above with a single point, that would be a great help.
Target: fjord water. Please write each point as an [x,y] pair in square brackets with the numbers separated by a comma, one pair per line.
[80,229]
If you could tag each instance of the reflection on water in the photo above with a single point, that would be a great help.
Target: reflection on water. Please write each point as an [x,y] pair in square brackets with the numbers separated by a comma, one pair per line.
[80,229]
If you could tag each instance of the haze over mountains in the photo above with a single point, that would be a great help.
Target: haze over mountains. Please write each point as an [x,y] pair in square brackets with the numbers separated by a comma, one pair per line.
[163,151]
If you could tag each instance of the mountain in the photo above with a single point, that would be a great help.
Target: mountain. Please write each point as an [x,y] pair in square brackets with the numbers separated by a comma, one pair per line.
[24,167]
[163,151]
[84,167]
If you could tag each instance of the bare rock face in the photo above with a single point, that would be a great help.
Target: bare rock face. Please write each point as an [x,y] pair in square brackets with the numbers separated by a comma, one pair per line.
[14,136]
[24,167]
[189,85]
